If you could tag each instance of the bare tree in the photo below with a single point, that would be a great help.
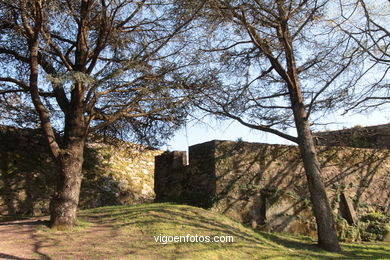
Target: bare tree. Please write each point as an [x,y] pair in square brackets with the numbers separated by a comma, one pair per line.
[85,66]
[273,65]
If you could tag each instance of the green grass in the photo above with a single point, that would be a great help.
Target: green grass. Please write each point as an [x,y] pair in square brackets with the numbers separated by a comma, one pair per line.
[126,232]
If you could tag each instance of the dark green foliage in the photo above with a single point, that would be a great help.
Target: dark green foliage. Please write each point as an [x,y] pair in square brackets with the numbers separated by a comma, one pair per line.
[346,232]
[374,226]
[375,217]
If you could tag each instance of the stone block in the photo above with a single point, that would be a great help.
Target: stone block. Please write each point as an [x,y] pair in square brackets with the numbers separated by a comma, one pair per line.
[347,210]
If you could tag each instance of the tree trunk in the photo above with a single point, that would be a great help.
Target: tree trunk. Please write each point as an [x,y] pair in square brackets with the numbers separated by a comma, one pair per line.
[65,201]
[327,238]
[70,161]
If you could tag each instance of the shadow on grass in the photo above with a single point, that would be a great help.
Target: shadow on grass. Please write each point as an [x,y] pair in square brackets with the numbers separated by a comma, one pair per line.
[26,223]
[307,244]
[350,251]
[362,250]
[196,219]
[116,232]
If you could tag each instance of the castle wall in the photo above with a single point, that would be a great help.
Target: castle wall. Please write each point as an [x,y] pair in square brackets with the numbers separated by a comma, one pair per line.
[117,173]
[361,137]
[265,185]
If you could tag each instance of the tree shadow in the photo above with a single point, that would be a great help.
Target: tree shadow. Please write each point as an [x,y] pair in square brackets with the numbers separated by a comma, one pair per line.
[28,176]
[265,186]
[7,256]
[19,227]
[192,219]
[362,173]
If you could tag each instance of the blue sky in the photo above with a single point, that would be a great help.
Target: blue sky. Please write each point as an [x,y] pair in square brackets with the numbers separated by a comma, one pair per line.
[210,129]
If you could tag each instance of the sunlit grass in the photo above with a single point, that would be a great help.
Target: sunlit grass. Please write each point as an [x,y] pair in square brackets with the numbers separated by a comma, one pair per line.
[127,232]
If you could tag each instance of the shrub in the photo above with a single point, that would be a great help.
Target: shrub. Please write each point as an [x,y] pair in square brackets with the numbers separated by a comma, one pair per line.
[345,232]
[374,226]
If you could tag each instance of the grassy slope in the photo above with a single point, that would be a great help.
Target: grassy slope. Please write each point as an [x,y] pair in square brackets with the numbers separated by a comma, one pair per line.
[126,232]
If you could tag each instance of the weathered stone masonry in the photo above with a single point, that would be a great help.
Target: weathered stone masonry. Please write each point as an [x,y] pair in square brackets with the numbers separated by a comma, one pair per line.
[115,173]
[361,137]
[265,186]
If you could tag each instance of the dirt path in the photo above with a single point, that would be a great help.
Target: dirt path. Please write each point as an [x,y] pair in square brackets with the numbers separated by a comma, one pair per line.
[29,239]
[18,239]
[32,239]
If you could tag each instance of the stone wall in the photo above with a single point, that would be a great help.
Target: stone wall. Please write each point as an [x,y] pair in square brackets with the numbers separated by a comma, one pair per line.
[265,186]
[115,173]
[361,137]
[170,174]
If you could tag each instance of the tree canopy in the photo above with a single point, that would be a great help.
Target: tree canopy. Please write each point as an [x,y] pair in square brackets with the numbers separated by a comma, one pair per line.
[123,52]
[247,62]
[82,66]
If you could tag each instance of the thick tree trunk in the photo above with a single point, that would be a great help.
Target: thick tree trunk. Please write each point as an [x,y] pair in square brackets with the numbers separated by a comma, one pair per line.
[69,156]
[64,203]
[70,161]
[327,238]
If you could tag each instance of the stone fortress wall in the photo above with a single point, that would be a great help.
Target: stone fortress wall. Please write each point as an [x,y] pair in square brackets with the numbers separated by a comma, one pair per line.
[363,137]
[114,173]
[258,184]
[264,185]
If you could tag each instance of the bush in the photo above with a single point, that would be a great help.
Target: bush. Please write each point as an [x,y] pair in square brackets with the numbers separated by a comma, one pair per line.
[374,226]
[345,232]
[375,217]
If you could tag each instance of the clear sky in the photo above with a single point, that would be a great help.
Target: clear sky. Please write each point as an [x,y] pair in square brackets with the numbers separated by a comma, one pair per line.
[196,133]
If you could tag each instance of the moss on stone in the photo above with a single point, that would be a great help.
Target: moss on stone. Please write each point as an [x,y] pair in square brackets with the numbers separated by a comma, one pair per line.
[118,173]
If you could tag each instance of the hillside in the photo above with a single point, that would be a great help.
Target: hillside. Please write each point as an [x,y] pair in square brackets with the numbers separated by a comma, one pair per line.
[127,232]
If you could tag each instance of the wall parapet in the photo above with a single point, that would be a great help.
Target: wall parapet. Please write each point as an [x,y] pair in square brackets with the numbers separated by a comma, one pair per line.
[360,137]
